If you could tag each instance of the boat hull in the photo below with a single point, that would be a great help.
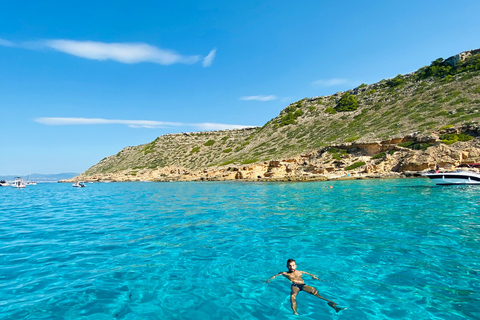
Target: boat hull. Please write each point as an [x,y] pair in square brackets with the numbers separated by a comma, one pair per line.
[454,178]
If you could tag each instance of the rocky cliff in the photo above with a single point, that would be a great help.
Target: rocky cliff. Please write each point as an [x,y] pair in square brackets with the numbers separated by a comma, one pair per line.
[408,123]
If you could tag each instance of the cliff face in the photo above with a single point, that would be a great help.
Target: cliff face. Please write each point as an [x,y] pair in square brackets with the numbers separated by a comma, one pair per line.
[299,142]
[348,160]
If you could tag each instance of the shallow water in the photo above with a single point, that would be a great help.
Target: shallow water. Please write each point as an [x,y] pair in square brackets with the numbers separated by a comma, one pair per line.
[388,249]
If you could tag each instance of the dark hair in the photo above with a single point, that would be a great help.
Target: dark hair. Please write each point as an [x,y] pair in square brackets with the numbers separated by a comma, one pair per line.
[290,260]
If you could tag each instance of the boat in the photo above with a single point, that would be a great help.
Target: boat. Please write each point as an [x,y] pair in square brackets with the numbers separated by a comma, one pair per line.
[79,184]
[4,183]
[18,183]
[29,182]
[454,177]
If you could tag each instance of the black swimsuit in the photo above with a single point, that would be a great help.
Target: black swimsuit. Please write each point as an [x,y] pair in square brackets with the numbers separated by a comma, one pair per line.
[299,285]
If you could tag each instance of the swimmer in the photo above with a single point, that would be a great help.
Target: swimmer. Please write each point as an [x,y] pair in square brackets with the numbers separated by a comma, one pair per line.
[295,276]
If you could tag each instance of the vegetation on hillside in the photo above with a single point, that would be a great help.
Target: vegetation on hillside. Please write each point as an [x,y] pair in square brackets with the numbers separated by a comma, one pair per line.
[346,103]
[444,94]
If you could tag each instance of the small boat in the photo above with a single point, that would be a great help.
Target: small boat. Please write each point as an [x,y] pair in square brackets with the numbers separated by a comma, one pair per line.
[29,182]
[4,183]
[18,183]
[79,184]
[454,177]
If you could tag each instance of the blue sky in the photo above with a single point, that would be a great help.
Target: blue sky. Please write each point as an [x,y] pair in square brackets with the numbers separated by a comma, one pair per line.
[81,80]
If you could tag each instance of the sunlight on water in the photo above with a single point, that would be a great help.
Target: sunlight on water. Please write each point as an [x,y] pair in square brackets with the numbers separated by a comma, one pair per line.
[391,249]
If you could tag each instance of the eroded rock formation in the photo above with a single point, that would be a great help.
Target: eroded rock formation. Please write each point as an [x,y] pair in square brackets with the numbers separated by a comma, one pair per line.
[381,159]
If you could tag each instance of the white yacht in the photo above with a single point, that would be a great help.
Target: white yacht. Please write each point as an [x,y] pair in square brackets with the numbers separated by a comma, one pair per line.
[4,183]
[18,183]
[79,184]
[454,177]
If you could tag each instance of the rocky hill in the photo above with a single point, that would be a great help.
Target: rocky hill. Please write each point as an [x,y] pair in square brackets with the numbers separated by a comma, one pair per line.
[402,124]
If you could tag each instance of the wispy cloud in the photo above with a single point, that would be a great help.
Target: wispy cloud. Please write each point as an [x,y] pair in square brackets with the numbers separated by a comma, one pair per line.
[121,52]
[208,60]
[6,43]
[330,82]
[56,121]
[260,98]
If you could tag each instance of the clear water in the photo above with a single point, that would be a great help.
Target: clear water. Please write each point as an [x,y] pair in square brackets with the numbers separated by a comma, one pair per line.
[389,249]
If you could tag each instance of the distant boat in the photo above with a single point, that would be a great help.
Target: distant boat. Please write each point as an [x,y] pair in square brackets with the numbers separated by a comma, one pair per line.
[4,183]
[79,184]
[18,183]
[30,183]
[454,178]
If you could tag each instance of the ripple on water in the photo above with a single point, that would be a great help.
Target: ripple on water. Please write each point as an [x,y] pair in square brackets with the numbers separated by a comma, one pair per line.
[392,249]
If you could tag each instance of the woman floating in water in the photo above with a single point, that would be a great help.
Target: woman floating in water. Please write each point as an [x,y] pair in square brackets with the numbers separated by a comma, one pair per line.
[295,276]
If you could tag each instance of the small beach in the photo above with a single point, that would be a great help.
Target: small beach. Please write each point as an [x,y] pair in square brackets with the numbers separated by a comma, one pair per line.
[388,249]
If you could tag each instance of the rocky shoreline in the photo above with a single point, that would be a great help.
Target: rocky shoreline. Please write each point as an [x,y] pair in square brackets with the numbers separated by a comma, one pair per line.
[375,160]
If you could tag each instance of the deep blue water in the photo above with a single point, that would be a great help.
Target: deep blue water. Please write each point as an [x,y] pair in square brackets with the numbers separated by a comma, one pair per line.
[389,249]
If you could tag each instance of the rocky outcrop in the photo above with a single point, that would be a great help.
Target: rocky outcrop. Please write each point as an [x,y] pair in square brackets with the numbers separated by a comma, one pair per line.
[380,159]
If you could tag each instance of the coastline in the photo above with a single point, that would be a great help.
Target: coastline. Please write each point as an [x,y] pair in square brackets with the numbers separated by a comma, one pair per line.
[369,161]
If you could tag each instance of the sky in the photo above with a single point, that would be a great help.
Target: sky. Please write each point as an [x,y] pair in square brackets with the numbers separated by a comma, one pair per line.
[79,81]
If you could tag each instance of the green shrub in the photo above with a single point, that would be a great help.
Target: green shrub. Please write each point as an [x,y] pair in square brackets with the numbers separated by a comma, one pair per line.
[291,108]
[209,143]
[443,113]
[248,161]
[346,103]
[352,139]
[337,154]
[379,156]
[195,150]
[440,69]
[227,150]
[227,162]
[291,115]
[149,147]
[298,113]
[448,126]
[415,145]
[330,110]
[355,165]
[397,81]
[451,138]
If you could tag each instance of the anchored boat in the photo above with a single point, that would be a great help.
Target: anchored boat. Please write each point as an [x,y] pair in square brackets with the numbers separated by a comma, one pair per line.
[18,183]
[79,184]
[454,178]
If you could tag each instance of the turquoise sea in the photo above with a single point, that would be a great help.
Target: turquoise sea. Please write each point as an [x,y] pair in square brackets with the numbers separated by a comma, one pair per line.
[388,249]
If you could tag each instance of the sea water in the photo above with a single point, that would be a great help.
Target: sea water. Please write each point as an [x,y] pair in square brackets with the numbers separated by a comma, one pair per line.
[387,249]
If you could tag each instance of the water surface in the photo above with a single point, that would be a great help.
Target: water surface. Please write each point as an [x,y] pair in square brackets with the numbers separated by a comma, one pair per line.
[389,249]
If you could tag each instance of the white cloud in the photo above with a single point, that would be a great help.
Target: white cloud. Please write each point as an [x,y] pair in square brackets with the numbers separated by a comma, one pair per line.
[55,121]
[120,52]
[330,82]
[217,126]
[208,60]
[259,98]
[6,43]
